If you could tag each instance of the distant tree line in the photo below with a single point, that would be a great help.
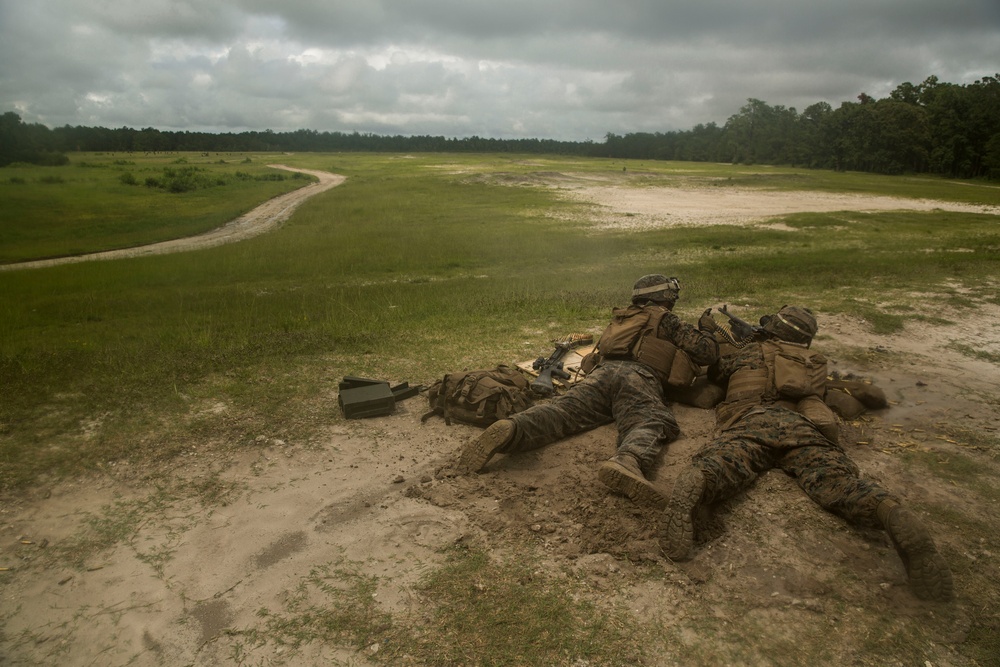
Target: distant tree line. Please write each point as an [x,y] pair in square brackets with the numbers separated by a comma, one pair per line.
[939,128]
[934,127]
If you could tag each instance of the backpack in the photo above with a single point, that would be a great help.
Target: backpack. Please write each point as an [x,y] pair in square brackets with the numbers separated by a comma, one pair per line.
[479,397]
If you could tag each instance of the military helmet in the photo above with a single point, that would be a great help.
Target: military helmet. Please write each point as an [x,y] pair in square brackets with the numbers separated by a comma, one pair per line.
[656,287]
[791,323]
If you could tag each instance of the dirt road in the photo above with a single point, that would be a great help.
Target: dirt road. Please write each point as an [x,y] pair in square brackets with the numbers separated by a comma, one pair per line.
[262,219]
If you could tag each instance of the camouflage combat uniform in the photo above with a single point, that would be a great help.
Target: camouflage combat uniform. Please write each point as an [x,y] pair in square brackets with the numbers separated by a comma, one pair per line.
[760,437]
[643,348]
[624,391]
[762,426]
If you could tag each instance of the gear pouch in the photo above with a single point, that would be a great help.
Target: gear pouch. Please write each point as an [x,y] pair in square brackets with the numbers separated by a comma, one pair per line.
[799,373]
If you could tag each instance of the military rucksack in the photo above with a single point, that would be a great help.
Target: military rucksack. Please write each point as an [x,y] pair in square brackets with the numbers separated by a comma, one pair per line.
[479,397]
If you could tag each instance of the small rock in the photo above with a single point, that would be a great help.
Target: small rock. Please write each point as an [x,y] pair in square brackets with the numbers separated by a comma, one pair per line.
[398,479]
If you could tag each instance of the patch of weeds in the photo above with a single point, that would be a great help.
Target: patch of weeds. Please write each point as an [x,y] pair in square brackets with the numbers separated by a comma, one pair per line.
[744,635]
[889,639]
[902,307]
[960,301]
[335,603]
[881,321]
[988,442]
[120,524]
[959,469]
[490,613]
[934,320]
[116,524]
[476,611]
[983,642]
[212,491]
[974,353]
[868,357]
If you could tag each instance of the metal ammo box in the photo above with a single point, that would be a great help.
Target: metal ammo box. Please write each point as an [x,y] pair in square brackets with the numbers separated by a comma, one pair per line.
[365,397]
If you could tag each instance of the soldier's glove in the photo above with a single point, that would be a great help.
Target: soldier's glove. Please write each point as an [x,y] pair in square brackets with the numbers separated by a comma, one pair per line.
[706,322]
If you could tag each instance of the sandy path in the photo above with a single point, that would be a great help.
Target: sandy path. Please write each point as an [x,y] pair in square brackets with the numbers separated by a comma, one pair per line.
[262,219]
[637,209]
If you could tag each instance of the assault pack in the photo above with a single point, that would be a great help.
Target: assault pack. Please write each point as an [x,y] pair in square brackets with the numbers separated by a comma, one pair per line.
[479,397]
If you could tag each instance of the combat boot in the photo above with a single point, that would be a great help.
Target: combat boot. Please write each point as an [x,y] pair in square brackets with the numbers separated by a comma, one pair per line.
[496,438]
[677,523]
[621,473]
[926,569]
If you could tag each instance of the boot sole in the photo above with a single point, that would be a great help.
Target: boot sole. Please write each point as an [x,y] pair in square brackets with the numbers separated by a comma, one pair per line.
[638,489]
[677,528]
[929,574]
[478,453]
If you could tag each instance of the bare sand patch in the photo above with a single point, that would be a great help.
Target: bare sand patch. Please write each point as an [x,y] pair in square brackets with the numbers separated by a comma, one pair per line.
[630,208]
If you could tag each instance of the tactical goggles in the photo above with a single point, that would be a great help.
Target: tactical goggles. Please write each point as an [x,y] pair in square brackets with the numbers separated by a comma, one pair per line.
[670,284]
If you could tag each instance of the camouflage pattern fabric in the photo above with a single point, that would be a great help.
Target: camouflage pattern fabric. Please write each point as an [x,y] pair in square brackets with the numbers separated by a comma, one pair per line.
[772,437]
[700,346]
[625,392]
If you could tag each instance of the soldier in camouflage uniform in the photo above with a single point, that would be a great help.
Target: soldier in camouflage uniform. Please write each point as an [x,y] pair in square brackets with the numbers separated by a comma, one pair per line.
[761,430]
[635,356]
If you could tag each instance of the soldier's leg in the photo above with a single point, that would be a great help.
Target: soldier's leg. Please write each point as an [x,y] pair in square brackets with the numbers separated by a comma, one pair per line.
[733,460]
[830,478]
[722,468]
[645,425]
[927,570]
[495,439]
[585,405]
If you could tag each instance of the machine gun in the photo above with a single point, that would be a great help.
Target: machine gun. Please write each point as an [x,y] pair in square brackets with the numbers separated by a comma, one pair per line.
[552,367]
[737,331]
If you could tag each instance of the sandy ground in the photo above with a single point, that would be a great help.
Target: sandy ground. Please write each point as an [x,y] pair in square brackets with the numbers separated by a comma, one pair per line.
[648,208]
[185,583]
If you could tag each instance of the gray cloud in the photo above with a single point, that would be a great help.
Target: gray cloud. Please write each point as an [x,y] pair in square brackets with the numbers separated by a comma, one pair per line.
[564,69]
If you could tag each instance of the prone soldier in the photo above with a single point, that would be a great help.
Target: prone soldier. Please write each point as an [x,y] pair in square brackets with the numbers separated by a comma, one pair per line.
[644,348]
[773,416]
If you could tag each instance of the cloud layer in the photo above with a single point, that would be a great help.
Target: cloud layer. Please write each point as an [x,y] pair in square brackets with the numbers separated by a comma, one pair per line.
[559,69]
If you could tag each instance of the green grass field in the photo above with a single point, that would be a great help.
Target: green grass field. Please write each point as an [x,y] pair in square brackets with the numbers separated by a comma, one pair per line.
[109,201]
[415,252]
[415,266]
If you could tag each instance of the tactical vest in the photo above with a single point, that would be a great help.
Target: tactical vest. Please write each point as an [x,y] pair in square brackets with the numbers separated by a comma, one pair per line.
[632,334]
[793,377]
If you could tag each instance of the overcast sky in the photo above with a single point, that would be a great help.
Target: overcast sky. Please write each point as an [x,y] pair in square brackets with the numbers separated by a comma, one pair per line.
[558,69]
